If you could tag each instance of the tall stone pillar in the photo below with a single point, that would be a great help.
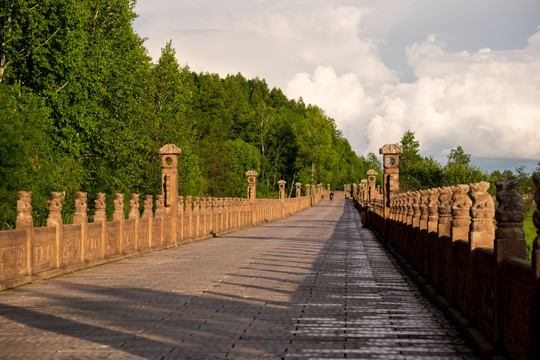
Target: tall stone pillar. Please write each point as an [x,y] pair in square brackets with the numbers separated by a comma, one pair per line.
[252,192]
[169,184]
[282,189]
[371,180]
[390,153]
[282,196]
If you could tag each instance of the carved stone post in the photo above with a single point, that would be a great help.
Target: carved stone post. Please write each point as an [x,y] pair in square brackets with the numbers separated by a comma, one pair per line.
[461,213]
[281,184]
[134,207]
[55,219]
[423,237]
[197,215]
[180,224]
[118,214]
[509,243]
[482,232]
[308,194]
[135,215]
[100,216]
[390,153]
[442,268]
[364,190]
[24,210]
[149,214]
[252,192]
[371,180]
[160,206]
[189,217]
[160,213]
[55,210]
[147,207]
[510,214]
[328,189]
[169,184]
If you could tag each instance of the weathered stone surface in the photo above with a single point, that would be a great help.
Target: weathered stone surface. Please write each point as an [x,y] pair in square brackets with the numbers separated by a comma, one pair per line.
[118,214]
[482,214]
[55,210]
[160,206]
[100,216]
[24,210]
[134,207]
[510,214]
[297,288]
[81,216]
[147,207]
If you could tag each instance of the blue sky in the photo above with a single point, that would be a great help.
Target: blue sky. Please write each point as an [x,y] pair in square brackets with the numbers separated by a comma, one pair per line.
[454,72]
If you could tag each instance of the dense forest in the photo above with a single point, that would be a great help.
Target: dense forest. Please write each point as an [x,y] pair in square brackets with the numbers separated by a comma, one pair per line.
[84,108]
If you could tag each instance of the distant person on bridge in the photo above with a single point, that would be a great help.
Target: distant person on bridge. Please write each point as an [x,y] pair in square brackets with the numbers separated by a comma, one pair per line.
[332,196]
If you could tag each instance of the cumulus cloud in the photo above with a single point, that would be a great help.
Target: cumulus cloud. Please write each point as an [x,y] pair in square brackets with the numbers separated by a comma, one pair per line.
[485,101]
[335,53]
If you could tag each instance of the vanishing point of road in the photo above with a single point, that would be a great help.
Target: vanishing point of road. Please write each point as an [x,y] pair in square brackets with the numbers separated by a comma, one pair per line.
[314,285]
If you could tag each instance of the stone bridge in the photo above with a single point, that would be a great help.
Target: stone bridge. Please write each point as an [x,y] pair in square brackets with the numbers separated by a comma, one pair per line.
[314,279]
[316,284]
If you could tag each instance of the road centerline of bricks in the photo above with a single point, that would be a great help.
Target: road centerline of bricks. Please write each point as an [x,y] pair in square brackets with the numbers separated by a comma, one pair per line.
[315,284]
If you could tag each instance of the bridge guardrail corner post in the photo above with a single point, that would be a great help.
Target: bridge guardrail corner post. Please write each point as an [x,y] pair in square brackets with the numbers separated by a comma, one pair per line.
[169,185]
[390,153]
[281,184]
[252,194]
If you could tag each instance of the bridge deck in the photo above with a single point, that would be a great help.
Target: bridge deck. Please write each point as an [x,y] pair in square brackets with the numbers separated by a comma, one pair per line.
[314,285]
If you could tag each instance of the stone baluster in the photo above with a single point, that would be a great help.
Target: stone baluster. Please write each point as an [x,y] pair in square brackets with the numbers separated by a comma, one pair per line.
[147,207]
[510,214]
[24,210]
[461,213]
[134,207]
[118,214]
[100,205]
[433,211]
[445,212]
[81,216]
[160,206]
[55,210]
[482,231]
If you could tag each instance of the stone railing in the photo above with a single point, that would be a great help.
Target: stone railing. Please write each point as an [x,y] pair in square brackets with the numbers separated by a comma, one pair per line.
[31,253]
[480,275]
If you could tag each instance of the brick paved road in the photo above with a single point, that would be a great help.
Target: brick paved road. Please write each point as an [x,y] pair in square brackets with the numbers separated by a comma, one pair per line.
[315,285]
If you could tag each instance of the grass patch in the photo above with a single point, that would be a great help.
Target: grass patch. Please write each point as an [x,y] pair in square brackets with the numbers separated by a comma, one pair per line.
[530,232]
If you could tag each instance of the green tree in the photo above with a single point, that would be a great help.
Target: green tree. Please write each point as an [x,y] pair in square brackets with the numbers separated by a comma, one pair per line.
[459,171]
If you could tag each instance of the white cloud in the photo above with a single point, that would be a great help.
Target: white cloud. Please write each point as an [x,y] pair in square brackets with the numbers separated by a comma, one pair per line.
[329,53]
[486,101]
